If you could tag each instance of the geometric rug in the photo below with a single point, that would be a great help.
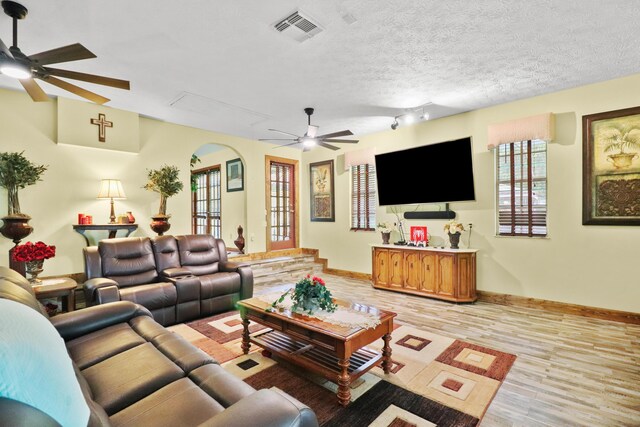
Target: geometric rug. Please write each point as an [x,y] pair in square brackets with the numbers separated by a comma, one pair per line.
[434,380]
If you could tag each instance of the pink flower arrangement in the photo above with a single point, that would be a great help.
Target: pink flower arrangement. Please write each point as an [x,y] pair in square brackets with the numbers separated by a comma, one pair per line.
[33,252]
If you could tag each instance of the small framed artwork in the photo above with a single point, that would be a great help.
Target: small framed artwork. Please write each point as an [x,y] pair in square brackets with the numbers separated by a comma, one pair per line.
[235,175]
[322,197]
[418,234]
[611,168]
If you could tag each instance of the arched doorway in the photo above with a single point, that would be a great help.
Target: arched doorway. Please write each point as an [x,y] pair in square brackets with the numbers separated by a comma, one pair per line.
[218,198]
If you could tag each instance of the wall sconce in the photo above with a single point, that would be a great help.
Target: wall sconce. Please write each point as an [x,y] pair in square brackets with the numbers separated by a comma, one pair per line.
[111,189]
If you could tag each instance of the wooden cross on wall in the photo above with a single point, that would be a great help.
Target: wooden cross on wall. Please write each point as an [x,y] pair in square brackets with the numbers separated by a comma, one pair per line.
[102,124]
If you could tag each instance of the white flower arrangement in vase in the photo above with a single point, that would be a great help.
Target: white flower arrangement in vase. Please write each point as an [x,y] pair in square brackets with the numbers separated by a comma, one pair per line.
[386,227]
[453,227]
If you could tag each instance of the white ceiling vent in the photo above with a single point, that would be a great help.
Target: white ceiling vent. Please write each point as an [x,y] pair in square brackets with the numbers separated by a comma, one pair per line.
[298,27]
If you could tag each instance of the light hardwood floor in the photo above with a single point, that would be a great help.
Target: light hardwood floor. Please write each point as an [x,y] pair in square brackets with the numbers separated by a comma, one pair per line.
[570,370]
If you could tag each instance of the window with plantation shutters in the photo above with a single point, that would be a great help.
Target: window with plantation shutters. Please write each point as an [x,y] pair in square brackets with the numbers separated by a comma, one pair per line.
[206,211]
[521,169]
[363,197]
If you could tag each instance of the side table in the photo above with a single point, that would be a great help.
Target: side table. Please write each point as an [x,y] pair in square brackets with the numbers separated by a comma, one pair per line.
[62,287]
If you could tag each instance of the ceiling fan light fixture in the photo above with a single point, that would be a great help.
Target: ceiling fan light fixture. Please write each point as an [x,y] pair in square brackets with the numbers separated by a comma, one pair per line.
[308,142]
[15,70]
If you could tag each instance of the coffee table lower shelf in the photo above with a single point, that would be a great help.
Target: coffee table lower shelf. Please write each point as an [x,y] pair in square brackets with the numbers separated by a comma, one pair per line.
[314,358]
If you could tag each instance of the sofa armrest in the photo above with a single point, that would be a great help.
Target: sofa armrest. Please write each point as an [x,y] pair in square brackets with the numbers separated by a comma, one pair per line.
[92,286]
[168,273]
[246,277]
[81,322]
[266,408]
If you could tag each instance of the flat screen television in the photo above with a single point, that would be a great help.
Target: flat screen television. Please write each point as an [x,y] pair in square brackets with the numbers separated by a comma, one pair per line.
[434,173]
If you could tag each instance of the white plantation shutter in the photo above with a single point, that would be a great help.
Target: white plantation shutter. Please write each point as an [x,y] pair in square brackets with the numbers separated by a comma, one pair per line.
[521,169]
[363,197]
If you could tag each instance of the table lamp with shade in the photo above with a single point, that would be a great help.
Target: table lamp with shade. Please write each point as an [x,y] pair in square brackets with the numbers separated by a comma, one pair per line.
[111,189]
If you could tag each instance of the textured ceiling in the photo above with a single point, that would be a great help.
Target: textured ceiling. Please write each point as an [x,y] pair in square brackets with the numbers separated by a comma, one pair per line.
[220,65]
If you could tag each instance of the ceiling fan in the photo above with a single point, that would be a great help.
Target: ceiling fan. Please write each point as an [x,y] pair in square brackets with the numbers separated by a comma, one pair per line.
[311,139]
[16,64]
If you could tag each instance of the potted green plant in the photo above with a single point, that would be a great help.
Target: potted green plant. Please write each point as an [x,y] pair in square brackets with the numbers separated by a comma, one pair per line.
[17,172]
[166,182]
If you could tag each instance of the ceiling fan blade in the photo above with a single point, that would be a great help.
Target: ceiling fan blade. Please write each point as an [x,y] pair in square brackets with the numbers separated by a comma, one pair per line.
[5,49]
[278,139]
[91,78]
[73,52]
[331,135]
[94,97]
[34,90]
[329,146]
[311,131]
[286,133]
[286,145]
[347,141]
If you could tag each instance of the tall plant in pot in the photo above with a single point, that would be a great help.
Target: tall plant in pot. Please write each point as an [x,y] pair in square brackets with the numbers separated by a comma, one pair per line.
[166,182]
[17,172]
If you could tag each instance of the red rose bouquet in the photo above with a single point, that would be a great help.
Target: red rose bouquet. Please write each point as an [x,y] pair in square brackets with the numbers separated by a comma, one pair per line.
[33,252]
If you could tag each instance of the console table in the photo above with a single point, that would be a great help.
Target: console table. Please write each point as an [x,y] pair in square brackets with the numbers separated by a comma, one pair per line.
[447,274]
[111,228]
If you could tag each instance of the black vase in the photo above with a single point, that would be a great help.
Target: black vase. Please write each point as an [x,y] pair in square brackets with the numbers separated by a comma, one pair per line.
[454,239]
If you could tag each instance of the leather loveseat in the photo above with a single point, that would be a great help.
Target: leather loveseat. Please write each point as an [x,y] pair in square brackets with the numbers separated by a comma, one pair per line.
[177,278]
[112,364]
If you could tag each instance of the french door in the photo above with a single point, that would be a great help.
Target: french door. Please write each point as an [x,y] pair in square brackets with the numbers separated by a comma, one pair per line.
[206,211]
[282,205]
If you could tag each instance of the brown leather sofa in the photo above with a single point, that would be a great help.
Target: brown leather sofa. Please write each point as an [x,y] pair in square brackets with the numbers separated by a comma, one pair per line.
[177,278]
[130,371]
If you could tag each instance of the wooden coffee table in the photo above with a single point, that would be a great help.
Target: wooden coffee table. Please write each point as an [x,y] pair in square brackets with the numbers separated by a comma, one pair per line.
[337,353]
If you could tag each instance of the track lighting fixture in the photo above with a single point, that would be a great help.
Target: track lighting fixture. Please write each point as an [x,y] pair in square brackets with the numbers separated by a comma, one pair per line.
[410,117]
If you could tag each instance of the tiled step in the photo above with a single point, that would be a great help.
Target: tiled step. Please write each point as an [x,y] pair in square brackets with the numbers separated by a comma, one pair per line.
[283,269]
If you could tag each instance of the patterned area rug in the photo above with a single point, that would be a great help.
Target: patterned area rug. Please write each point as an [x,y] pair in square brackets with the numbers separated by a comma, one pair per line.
[435,380]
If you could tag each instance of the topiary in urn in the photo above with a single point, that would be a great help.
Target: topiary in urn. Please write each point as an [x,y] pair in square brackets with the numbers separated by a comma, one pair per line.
[17,172]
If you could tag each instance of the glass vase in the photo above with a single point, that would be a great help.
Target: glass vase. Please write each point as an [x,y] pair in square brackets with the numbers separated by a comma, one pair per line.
[33,268]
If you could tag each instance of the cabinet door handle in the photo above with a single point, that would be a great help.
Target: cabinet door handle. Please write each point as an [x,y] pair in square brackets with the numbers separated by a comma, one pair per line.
[428,268]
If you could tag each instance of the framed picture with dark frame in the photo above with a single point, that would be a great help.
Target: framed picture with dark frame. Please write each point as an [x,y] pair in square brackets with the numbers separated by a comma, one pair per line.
[235,175]
[611,168]
[322,196]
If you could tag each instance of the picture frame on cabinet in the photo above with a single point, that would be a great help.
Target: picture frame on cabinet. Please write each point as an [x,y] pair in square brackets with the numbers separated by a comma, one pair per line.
[611,168]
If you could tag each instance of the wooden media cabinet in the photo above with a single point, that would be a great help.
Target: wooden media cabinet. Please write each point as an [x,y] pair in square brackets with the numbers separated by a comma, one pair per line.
[447,274]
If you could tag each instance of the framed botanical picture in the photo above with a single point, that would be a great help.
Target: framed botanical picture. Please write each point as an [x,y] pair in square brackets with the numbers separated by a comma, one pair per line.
[611,168]
[322,197]
[235,175]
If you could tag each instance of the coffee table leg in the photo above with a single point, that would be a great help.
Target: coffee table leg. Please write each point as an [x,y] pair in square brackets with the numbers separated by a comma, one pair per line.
[245,335]
[386,354]
[344,380]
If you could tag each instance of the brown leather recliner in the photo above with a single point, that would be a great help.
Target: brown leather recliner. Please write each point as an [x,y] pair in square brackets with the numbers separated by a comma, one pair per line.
[125,269]
[222,283]
[128,370]
[177,278]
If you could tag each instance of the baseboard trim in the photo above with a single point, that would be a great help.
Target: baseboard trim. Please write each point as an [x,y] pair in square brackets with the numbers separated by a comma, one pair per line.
[348,274]
[559,307]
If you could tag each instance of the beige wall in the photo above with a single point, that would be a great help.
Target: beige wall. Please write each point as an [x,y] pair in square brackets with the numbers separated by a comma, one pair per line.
[234,204]
[587,265]
[71,184]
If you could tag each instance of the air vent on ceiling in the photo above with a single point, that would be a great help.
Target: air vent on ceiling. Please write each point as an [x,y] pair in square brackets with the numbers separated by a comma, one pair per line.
[298,27]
